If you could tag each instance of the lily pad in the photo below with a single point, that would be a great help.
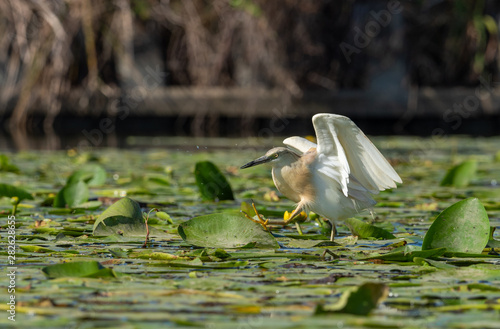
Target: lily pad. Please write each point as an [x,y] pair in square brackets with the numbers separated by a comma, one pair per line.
[462,227]
[296,243]
[6,166]
[155,255]
[461,174]
[211,182]
[164,216]
[77,269]
[13,191]
[408,254]
[364,230]
[359,301]
[175,283]
[225,230]
[91,205]
[124,217]
[92,174]
[72,194]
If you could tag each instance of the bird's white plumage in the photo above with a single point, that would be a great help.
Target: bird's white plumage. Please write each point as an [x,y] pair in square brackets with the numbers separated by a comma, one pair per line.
[335,178]
[298,144]
[344,151]
[346,160]
[339,137]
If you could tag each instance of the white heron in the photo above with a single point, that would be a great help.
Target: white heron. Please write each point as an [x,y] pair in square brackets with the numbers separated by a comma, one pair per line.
[335,178]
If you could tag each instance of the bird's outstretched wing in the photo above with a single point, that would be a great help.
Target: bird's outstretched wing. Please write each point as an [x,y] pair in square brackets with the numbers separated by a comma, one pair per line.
[298,144]
[344,150]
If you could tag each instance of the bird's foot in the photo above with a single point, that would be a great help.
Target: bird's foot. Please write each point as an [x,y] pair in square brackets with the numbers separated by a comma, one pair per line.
[298,215]
[260,218]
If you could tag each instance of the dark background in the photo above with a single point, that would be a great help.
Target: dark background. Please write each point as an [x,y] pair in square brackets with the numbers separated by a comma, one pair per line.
[231,67]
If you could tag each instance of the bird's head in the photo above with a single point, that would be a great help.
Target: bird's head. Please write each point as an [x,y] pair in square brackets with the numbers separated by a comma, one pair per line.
[275,156]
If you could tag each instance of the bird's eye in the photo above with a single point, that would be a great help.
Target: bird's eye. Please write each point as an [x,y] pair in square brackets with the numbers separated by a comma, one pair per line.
[276,155]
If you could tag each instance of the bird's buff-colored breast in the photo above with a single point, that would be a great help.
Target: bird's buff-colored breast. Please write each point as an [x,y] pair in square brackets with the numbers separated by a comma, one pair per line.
[295,180]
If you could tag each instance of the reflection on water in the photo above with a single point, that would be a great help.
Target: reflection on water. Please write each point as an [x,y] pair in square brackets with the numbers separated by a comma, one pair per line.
[79,142]
[80,135]
[84,133]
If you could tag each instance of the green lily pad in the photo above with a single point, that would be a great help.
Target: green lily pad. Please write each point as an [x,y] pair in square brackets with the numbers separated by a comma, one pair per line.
[155,255]
[461,174]
[124,217]
[35,249]
[12,191]
[247,209]
[358,301]
[6,166]
[78,269]
[158,179]
[90,205]
[225,230]
[296,243]
[211,182]
[364,230]
[408,254]
[164,216]
[437,264]
[72,194]
[92,174]
[462,227]
[494,243]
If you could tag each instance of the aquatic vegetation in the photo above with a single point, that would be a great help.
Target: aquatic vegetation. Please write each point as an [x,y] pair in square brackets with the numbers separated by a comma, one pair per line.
[86,263]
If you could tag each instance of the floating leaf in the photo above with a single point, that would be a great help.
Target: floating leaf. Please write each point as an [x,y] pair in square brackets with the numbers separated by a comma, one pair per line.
[164,216]
[408,254]
[77,269]
[197,263]
[492,243]
[359,301]
[12,191]
[225,230]
[296,243]
[364,231]
[158,179]
[220,253]
[467,255]
[124,217]
[72,194]
[92,174]
[461,174]
[437,264]
[462,227]
[103,273]
[211,182]
[90,205]
[39,249]
[119,253]
[247,209]
[5,164]
[155,255]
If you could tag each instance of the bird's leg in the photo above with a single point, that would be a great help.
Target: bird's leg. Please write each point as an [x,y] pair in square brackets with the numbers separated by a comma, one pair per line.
[334,231]
[260,219]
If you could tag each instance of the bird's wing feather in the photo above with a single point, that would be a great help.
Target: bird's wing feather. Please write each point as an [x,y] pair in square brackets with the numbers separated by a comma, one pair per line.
[298,144]
[343,147]
[329,171]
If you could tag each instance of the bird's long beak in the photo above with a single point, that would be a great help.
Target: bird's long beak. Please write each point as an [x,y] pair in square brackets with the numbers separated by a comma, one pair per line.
[261,160]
